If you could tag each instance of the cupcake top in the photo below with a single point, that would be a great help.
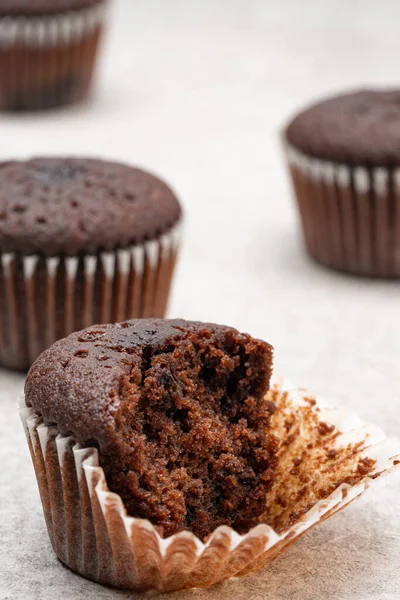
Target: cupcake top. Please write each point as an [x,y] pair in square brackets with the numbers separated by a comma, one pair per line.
[57,206]
[359,128]
[42,7]
[178,412]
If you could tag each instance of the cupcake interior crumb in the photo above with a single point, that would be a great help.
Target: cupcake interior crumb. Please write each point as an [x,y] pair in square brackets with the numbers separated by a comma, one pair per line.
[194,422]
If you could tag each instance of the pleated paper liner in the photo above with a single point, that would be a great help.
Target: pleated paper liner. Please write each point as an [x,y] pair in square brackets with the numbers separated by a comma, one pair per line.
[47,62]
[350,215]
[328,457]
[45,299]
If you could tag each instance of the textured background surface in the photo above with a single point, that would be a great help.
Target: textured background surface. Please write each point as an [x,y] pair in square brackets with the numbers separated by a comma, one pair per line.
[197,91]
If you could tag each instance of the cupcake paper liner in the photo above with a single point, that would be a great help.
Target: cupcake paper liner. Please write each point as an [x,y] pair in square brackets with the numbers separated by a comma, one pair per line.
[48,61]
[350,215]
[45,299]
[328,457]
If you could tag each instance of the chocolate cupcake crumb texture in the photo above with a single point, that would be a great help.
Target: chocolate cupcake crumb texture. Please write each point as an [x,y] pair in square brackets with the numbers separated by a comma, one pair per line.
[43,7]
[53,206]
[177,411]
[360,128]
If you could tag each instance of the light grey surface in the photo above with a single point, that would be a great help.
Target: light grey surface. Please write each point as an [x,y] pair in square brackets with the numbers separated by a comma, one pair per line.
[197,91]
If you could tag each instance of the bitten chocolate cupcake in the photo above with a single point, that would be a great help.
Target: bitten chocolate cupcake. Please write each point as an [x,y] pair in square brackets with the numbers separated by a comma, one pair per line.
[163,462]
[48,51]
[179,416]
[81,241]
[344,156]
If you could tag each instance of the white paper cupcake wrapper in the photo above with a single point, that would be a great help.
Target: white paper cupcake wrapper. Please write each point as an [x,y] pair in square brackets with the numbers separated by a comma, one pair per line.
[92,534]
[45,299]
[65,28]
[350,215]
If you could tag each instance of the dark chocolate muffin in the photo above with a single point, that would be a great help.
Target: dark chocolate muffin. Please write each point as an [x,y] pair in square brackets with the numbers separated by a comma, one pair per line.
[177,411]
[344,155]
[81,241]
[48,51]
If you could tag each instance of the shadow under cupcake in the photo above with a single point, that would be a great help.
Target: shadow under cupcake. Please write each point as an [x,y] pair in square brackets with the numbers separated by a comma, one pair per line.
[82,241]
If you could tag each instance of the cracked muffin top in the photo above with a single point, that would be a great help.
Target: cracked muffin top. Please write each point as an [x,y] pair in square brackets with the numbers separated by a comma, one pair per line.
[55,206]
[177,411]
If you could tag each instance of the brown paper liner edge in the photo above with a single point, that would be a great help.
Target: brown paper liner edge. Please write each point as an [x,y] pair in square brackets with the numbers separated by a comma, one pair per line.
[350,215]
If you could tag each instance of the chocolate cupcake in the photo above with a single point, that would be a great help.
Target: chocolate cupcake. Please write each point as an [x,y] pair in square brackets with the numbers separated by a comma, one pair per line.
[344,156]
[146,433]
[82,241]
[48,50]
[178,414]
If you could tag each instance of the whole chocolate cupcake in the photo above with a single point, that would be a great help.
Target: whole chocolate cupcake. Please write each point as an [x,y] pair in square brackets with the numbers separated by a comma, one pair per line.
[179,416]
[344,156]
[81,241]
[48,50]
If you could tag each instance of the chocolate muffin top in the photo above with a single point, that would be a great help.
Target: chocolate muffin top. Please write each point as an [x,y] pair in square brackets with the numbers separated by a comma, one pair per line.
[359,128]
[57,206]
[177,411]
[42,7]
